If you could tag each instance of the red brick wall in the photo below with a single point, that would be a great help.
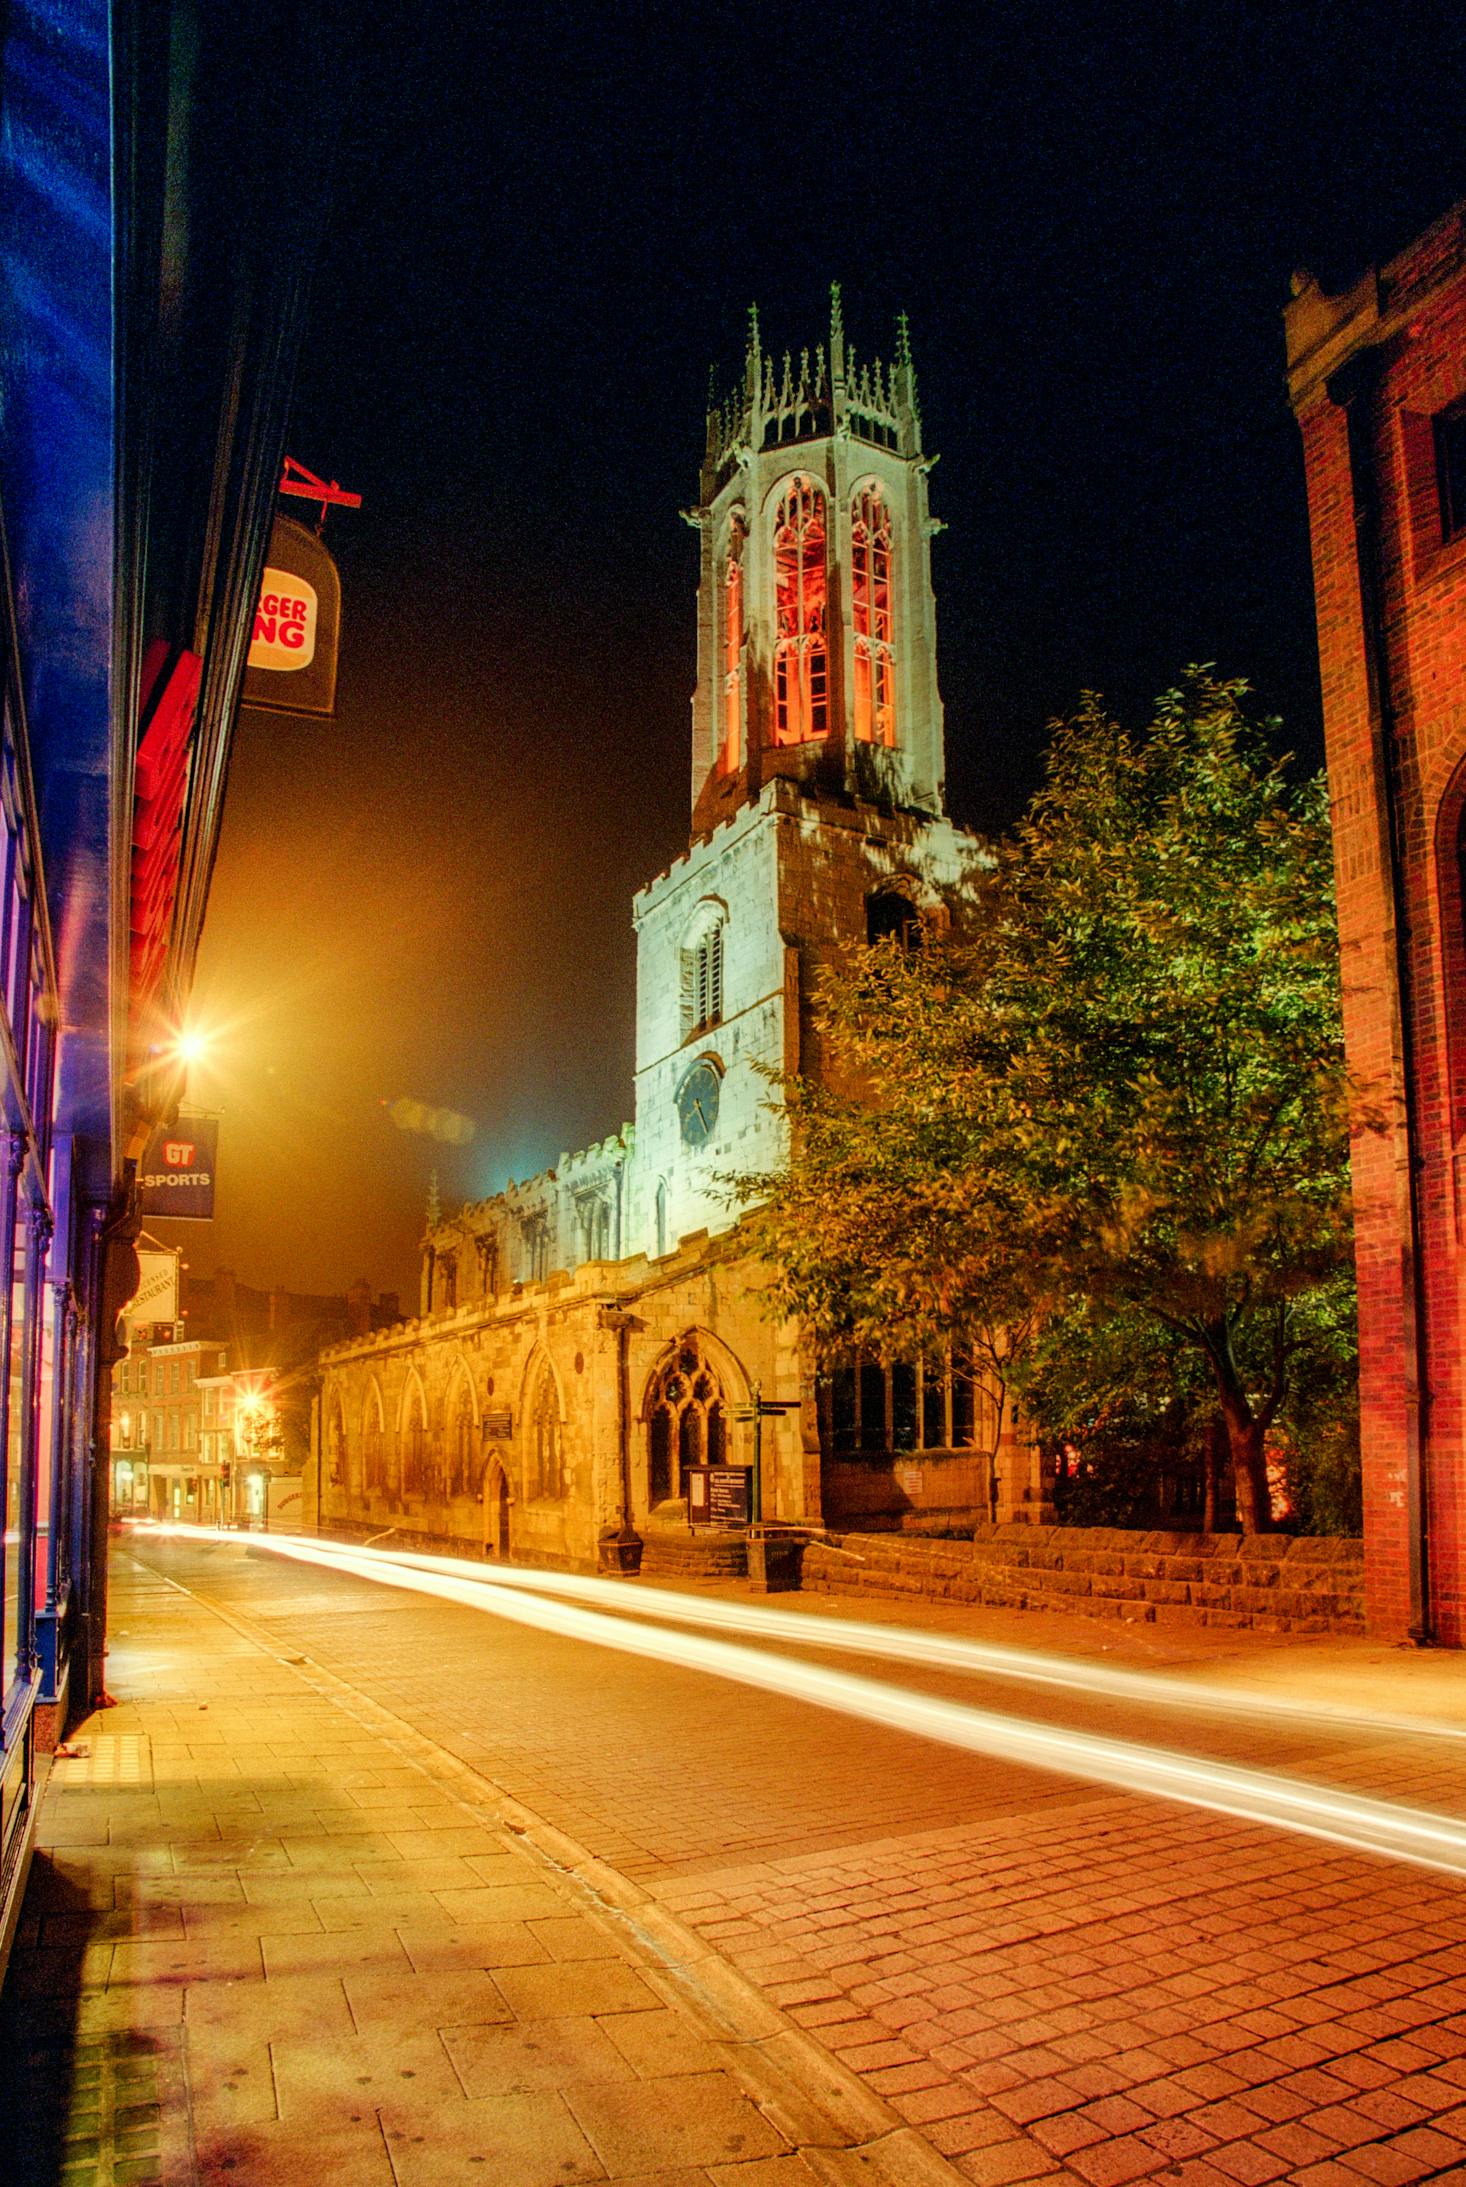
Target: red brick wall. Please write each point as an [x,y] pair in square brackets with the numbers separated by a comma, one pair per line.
[1407,322]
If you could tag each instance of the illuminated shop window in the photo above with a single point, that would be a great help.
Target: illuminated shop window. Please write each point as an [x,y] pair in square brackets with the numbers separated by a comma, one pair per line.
[733,657]
[702,970]
[801,658]
[870,597]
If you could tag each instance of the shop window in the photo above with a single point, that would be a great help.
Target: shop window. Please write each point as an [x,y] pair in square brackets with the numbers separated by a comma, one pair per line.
[870,603]
[801,649]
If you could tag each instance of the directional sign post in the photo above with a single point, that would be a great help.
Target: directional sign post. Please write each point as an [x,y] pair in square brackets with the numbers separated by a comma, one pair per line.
[762,1408]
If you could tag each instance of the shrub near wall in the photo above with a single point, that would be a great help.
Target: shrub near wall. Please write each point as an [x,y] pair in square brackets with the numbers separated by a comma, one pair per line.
[1270,1583]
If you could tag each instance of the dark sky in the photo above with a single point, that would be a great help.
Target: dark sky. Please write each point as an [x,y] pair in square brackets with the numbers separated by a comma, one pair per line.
[548,226]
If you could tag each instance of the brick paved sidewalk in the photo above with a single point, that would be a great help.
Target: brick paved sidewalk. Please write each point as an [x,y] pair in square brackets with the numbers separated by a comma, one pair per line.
[266,1941]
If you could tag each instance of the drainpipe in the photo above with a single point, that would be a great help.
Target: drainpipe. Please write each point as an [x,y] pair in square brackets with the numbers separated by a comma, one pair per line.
[1353,389]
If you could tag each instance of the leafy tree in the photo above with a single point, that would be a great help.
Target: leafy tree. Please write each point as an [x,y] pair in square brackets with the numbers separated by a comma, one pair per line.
[1114,1099]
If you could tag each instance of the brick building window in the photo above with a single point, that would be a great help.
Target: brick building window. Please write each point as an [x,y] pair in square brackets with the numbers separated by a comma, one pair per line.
[870,602]
[801,654]
[1450,466]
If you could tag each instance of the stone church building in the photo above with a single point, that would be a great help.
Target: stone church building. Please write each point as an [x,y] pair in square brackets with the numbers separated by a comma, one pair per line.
[585,1337]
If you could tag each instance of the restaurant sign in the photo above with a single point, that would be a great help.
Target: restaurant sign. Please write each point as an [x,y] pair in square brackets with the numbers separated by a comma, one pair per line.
[297,627]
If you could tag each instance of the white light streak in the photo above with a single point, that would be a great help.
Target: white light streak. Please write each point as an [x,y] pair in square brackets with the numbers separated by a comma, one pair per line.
[1339,1818]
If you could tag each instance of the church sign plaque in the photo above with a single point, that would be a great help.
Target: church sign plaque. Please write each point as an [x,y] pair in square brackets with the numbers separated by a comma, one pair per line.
[498,1427]
[719,1495]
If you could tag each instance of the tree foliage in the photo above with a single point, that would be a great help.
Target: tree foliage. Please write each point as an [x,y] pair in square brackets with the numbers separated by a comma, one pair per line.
[1111,1105]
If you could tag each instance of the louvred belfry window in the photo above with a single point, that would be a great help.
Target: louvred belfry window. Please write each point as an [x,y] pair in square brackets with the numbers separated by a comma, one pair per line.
[732,662]
[870,600]
[801,655]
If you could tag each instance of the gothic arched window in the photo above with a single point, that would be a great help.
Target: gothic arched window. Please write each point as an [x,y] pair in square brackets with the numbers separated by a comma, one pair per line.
[687,1419]
[801,656]
[546,1460]
[702,970]
[371,1446]
[415,1446]
[460,1481]
[870,603]
[733,656]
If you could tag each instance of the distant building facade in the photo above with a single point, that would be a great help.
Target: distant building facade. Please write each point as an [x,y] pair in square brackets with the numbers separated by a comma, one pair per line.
[1377,378]
[585,1338]
[211,1415]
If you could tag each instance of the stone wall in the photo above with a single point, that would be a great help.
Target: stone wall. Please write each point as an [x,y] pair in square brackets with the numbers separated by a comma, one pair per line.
[1269,1583]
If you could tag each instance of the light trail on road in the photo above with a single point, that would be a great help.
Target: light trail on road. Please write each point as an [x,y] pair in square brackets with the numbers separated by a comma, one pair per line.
[895,1643]
[1343,1819]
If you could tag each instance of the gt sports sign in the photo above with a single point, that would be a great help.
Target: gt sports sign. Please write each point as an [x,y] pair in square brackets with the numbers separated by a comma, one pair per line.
[176,1177]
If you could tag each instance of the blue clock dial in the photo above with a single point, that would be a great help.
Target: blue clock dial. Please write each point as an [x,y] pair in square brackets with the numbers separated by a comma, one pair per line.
[697,1103]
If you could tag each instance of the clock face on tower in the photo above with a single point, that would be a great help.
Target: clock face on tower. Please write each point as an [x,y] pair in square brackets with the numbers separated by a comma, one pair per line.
[697,1103]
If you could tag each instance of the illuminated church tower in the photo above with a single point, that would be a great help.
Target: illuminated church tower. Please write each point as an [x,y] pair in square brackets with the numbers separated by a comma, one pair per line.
[817,762]
[816,624]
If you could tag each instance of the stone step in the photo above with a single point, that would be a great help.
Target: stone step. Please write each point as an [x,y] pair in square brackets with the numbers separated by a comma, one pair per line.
[695,1556]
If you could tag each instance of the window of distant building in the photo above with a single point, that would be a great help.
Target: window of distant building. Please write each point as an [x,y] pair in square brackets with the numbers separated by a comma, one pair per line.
[801,652]
[1450,464]
[732,751]
[870,601]
[702,970]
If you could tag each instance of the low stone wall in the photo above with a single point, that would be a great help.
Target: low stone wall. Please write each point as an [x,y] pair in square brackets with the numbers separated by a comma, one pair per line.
[1269,1583]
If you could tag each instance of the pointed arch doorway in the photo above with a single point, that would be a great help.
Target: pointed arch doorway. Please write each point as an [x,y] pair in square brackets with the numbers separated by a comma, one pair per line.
[497,1500]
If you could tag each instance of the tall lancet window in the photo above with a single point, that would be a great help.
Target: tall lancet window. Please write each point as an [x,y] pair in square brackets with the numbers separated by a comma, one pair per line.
[801,655]
[733,655]
[870,600]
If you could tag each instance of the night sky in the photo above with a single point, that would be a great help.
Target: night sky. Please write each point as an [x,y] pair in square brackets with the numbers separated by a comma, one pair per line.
[547,228]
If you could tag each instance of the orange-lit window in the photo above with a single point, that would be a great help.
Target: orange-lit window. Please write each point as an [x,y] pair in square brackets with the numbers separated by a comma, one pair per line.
[732,664]
[801,658]
[870,597]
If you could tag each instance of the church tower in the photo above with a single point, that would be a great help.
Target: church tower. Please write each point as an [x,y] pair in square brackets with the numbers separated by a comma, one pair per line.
[817,764]
[816,623]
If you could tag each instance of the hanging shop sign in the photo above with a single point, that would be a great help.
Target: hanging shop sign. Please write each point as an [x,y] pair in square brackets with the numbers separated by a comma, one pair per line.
[176,1178]
[297,628]
[156,1296]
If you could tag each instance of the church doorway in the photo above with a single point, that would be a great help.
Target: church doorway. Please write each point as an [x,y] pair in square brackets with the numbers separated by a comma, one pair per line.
[687,1420]
[496,1514]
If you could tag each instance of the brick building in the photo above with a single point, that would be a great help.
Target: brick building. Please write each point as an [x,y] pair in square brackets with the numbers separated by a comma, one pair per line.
[1377,378]
[587,1336]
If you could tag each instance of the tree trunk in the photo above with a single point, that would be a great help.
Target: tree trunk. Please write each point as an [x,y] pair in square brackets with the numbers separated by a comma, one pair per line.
[1246,1439]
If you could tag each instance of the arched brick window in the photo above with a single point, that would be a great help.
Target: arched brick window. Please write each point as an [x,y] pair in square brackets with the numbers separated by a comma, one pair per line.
[801,587]
[373,1445]
[870,601]
[415,1445]
[892,916]
[687,1419]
